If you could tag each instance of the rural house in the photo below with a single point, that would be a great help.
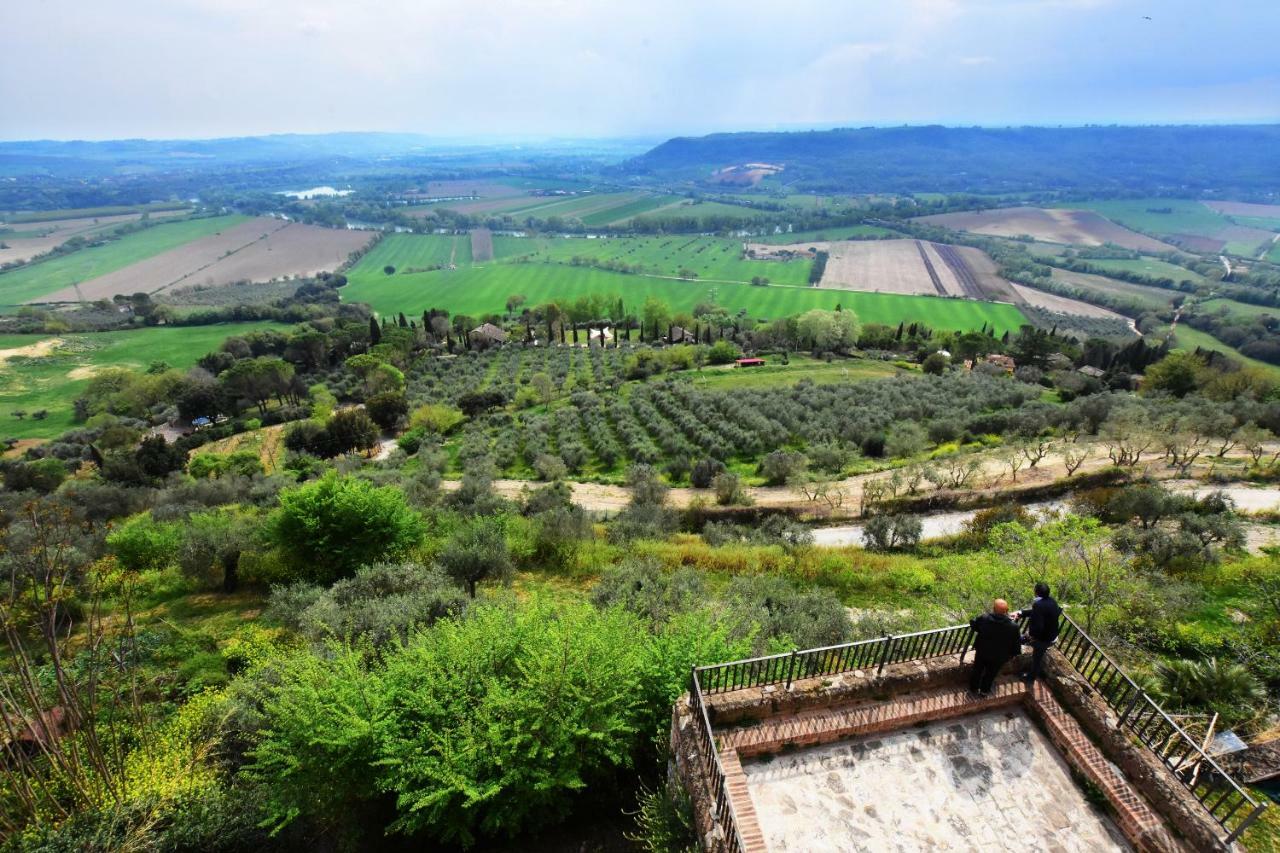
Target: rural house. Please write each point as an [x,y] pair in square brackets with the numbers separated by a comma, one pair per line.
[488,334]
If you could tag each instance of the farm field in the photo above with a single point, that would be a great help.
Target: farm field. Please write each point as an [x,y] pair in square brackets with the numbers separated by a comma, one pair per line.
[260,249]
[484,289]
[1188,338]
[822,235]
[908,267]
[1153,267]
[1244,208]
[24,216]
[23,241]
[53,379]
[1150,297]
[1062,304]
[1074,227]
[1190,224]
[703,210]
[32,282]
[417,252]
[712,258]
[1243,309]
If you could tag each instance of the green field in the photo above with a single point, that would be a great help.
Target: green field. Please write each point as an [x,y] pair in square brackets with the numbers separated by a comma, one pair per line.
[1189,338]
[714,258]
[35,280]
[407,252]
[1185,216]
[1273,256]
[485,289]
[842,232]
[88,212]
[1152,267]
[45,382]
[1150,297]
[1244,309]
[799,367]
[626,212]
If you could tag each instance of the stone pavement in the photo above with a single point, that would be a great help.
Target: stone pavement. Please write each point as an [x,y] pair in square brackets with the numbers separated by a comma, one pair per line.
[991,781]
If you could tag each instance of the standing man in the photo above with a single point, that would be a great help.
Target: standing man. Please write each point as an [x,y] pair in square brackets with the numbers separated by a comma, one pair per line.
[996,642]
[1042,629]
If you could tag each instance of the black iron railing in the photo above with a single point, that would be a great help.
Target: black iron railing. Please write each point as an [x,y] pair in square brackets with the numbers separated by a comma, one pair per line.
[1230,805]
[1227,802]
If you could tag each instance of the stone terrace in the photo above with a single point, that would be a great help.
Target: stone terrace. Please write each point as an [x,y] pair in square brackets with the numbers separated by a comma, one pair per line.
[909,760]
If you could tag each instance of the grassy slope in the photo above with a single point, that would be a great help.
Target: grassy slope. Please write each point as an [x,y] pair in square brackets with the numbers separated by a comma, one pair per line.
[417,251]
[1152,297]
[1212,306]
[1189,338]
[709,257]
[44,277]
[775,373]
[43,383]
[485,288]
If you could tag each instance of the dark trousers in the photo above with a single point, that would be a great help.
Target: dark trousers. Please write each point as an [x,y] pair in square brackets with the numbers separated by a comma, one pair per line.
[984,674]
[1039,648]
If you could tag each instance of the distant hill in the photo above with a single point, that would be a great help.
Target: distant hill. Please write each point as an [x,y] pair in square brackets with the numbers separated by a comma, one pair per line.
[1224,160]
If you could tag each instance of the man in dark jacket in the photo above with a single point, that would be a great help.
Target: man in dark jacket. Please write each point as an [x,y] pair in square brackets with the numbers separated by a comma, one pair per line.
[996,642]
[1042,619]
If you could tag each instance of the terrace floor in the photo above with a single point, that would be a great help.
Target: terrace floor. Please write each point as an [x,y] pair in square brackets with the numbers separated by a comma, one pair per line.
[991,779]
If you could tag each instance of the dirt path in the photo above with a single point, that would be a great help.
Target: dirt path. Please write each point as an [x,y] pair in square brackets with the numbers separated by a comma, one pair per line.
[991,480]
[36,350]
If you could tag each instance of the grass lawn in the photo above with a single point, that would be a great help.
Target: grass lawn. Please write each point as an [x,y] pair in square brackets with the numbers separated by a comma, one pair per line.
[52,382]
[484,289]
[775,373]
[44,277]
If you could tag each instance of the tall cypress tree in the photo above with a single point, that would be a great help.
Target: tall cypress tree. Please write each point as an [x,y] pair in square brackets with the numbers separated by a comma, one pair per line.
[375,332]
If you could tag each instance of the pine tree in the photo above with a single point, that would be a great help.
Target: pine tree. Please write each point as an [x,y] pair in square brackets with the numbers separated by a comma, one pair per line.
[375,332]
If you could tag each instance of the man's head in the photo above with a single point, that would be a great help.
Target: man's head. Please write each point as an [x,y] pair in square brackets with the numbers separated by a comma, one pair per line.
[1000,607]
[1042,590]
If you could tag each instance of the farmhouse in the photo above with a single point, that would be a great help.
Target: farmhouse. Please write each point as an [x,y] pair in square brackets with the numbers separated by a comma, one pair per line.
[679,335]
[1003,362]
[488,334]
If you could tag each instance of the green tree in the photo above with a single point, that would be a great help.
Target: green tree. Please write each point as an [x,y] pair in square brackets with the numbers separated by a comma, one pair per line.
[477,551]
[143,544]
[327,528]
[1177,374]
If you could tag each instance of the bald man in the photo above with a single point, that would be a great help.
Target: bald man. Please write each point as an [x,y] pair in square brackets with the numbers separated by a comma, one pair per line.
[997,641]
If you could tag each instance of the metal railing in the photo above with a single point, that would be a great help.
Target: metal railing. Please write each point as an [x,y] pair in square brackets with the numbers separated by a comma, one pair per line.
[714,770]
[1230,805]
[833,660]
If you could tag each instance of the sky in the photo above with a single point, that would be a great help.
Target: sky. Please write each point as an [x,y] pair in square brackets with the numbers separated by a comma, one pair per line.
[102,69]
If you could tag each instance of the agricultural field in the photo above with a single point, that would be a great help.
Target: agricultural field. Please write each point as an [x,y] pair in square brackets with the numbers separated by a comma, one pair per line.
[1152,267]
[1062,304]
[24,241]
[1186,337]
[267,442]
[824,235]
[47,373]
[1193,225]
[260,249]
[1246,209]
[1072,227]
[1230,306]
[907,267]
[711,258]
[31,283]
[1150,297]
[798,368]
[410,253]
[485,289]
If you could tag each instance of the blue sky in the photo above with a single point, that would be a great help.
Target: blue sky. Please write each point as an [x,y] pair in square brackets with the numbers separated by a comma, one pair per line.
[98,69]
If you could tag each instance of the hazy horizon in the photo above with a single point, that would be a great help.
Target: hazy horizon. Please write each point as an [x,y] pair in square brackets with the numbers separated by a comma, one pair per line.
[585,69]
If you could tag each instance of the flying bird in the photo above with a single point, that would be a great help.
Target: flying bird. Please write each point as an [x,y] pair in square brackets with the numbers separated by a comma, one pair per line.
[1146,17]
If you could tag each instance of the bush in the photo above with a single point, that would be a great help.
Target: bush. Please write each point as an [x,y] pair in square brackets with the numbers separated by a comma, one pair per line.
[641,587]
[436,417]
[729,490]
[891,532]
[328,528]
[704,472]
[141,544]
[771,608]
[723,352]
[782,466]
[387,409]
[550,467]
[495,720]
[381,603]
[477,551]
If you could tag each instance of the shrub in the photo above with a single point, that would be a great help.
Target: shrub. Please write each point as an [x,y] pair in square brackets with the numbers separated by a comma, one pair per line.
[704,472]
[770,607]
[884,532]
[436,417]
[729,490]
[387,409]
[477,551]
[640,586]
[723,352]
[782,466]
[141,544]
[327,528]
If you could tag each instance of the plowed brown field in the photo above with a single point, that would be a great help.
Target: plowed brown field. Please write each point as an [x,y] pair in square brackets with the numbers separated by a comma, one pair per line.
[1077,227]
